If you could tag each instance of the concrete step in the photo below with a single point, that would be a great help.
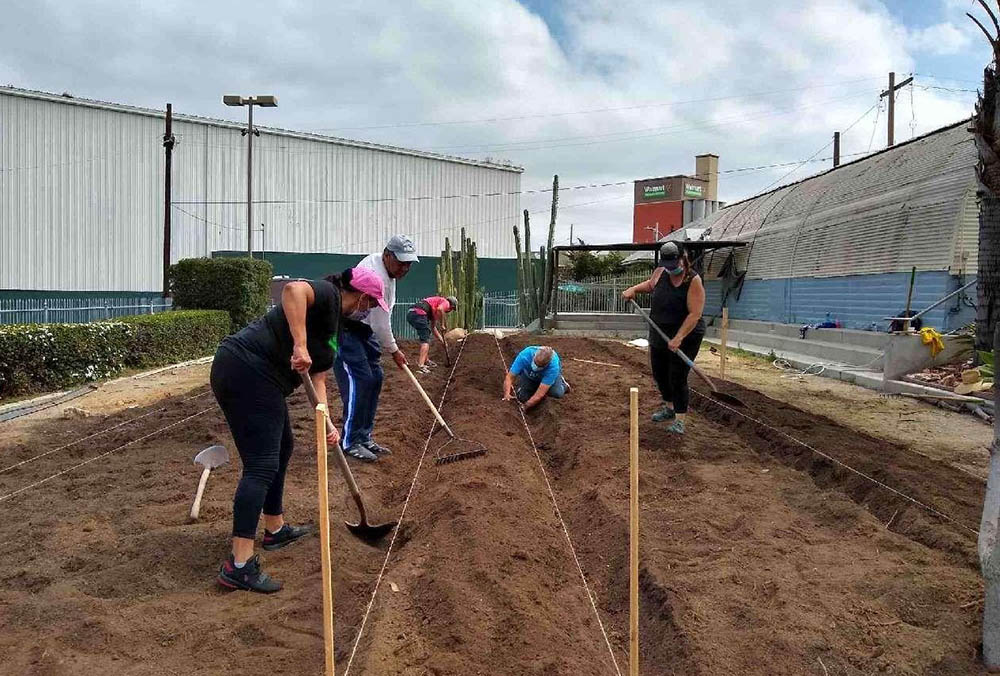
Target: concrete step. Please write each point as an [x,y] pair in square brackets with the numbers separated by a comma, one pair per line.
[868,339]
[800,362]
[811,348]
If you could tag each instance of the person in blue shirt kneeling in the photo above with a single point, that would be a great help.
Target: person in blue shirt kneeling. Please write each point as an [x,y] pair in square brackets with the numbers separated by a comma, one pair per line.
[539,374]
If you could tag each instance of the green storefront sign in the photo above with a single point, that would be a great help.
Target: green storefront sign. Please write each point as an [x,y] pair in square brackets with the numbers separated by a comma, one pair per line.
[691,190]
[652,191]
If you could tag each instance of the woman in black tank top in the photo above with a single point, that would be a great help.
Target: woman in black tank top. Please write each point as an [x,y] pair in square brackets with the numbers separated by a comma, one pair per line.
[678,302]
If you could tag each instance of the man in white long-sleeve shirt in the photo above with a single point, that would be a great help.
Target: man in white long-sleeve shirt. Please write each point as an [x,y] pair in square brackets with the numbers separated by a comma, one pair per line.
[357,368]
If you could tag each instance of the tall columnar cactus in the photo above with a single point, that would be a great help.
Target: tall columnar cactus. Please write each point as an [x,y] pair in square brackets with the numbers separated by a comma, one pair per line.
[522,283]
[549,273]
[534,286]
[458,275]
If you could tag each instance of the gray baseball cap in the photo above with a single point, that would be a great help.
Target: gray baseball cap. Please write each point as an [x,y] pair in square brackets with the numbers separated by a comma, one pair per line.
[669,252]
[402,248]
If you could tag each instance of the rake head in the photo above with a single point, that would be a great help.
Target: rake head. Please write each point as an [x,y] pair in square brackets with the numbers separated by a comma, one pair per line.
[458,449]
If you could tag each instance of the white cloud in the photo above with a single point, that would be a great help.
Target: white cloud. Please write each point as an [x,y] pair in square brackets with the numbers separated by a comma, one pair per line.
[940,39]
[766,82]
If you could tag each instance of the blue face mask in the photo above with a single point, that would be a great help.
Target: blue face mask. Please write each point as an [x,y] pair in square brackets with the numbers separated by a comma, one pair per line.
[679,270]
[535,367]
[359,316]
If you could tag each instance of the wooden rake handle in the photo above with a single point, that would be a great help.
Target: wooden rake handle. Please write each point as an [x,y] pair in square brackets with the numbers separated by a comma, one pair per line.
[437,414]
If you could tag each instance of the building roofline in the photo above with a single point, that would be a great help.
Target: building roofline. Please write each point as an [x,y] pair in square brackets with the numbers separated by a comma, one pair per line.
[277,131]
[939,130]
[663,178]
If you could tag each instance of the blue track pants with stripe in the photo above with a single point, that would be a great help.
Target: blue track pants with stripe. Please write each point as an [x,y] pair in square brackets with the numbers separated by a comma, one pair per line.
[359,377]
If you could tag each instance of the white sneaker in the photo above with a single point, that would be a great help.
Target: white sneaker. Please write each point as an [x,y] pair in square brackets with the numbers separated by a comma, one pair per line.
[423,369]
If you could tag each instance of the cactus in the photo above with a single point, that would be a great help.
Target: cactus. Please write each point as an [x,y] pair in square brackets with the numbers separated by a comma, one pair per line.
[534,286]
[548,273]
[458,275]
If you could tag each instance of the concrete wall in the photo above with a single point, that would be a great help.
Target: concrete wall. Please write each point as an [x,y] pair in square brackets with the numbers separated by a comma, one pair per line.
[856,301]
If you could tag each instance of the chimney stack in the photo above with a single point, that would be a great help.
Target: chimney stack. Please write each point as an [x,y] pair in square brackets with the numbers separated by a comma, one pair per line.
[706,167]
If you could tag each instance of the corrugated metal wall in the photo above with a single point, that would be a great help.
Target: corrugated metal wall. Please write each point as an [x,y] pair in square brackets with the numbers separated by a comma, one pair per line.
[907,206]
[81,195]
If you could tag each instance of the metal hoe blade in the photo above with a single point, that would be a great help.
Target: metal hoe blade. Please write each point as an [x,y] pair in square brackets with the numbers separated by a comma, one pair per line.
[212,457]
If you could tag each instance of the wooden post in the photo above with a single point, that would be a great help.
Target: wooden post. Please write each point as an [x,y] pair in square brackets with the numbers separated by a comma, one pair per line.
[909,300]
[324,536]
[892,108]
[723,338]
[633,554]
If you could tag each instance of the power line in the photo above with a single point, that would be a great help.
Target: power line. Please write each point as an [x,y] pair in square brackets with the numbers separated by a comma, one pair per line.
[828,144]
[639,106]
[642,133]
[508,193]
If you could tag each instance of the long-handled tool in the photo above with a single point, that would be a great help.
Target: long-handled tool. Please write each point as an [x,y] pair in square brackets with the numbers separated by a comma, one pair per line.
[324,536]
[474,449]
[362,529]
[210,458]
[715,394]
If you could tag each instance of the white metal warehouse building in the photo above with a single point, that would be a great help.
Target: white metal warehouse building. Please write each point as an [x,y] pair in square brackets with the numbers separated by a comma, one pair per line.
[82,194]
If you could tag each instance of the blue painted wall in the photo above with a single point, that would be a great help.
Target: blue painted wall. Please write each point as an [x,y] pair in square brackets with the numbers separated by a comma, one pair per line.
[856,301]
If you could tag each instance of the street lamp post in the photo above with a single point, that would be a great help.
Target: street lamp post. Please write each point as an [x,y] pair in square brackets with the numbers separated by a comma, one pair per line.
[249,132]
[656,231]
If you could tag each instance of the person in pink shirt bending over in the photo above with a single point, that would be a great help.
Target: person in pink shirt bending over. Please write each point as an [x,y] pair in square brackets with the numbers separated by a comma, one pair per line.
[425,316]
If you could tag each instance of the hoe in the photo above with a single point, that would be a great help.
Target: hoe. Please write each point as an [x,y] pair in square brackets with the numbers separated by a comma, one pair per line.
[362,529]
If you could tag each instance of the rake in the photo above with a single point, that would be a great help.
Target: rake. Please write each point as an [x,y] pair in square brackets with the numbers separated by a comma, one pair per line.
[471,448]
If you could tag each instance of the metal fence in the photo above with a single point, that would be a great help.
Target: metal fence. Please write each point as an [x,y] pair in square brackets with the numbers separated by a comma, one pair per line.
[500,310]
[600,294]
[76,310]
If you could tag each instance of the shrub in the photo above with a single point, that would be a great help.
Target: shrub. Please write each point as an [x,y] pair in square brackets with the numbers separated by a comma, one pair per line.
[41,357]
[170,337]
[240,286]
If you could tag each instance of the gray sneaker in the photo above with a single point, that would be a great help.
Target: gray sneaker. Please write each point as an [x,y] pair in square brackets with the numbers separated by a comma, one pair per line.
[376,448]
[664,414]
[359,452]
[677,427]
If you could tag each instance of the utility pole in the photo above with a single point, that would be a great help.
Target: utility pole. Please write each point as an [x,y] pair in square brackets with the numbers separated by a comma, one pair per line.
[891,94]
[836,149]
[249,135]
[571,234]
[168,147]
[250,132]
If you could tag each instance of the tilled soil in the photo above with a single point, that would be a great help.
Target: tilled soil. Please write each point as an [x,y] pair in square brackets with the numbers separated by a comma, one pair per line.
[758,555]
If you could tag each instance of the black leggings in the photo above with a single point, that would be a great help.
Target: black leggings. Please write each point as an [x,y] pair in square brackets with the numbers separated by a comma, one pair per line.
[670,373]
[257,415]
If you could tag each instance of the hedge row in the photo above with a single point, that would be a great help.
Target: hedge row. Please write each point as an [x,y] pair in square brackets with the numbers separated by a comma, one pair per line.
[43,357]
[240,286]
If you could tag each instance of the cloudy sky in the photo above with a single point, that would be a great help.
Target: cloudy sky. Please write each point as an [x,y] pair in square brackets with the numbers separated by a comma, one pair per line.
[595,90]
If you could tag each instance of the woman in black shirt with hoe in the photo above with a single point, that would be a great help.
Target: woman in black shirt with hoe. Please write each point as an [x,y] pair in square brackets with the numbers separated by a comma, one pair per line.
[253,372]
[678,302]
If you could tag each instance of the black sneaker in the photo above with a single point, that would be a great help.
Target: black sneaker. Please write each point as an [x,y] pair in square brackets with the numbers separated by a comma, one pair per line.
[248,578]
[359,452]
[285,536]
[377,449]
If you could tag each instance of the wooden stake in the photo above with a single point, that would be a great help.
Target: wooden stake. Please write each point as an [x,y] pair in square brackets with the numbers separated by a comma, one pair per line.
[633,554]
[324,536]
[723,338]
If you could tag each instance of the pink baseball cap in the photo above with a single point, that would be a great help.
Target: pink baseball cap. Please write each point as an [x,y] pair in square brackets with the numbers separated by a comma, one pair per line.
[369,283]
